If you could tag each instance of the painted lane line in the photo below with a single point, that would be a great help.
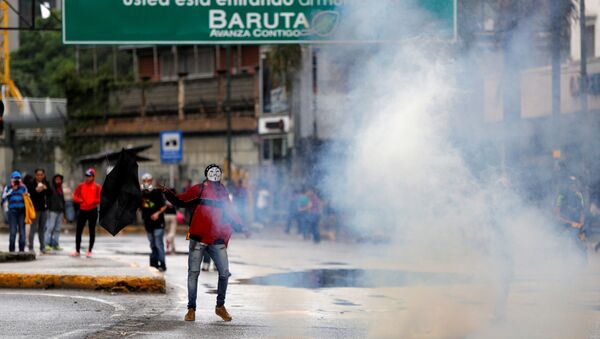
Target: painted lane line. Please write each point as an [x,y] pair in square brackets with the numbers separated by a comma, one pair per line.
[116,306]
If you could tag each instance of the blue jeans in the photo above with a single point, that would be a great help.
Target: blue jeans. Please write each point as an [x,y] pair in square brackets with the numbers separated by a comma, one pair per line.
[16,221]
[53,228]
[218,253]
[157,245]
[38,225]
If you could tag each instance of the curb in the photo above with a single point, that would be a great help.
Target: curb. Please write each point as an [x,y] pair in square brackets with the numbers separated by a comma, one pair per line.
[84,282]
[16,257]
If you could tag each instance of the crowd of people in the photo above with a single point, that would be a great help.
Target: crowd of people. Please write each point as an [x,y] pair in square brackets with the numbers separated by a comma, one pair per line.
[32,205]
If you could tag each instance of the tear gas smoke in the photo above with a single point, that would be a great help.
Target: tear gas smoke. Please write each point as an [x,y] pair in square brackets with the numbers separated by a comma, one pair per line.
[404,176]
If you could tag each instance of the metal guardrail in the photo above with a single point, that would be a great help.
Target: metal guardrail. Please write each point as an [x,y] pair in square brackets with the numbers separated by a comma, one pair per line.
[35,112]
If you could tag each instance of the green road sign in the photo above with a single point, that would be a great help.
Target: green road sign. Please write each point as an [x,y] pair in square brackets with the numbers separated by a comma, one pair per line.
[217,21]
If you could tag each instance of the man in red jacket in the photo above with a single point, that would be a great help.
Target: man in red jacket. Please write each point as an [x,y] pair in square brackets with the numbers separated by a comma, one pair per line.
[210,230]
[87,195]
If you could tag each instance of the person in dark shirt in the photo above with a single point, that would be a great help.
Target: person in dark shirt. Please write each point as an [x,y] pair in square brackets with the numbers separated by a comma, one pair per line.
[570,212]
[153,208]
[56,206]
[40,191]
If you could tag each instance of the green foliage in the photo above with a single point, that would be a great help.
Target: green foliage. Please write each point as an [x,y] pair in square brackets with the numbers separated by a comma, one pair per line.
[284,61]
[44,67]
[40,59]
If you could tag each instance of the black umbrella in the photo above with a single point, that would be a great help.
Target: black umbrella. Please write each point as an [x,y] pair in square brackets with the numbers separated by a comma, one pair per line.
[121,194]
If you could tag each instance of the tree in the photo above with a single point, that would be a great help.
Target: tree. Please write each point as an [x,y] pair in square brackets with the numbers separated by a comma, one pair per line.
[44,67]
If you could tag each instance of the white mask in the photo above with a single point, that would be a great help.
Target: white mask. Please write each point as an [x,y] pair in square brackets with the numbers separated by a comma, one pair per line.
[214,174]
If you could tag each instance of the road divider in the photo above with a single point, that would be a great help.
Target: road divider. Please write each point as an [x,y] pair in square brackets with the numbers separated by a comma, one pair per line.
[147,284]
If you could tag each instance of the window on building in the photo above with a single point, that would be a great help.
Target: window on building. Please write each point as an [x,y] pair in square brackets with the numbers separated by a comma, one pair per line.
[195,62]
[590,40]
[167,66]
[266,149]
[274,149]
[206,61]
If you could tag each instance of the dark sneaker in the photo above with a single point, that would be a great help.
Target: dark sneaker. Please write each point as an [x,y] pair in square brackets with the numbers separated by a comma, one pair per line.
[191,315]
[221,311]
[162,269]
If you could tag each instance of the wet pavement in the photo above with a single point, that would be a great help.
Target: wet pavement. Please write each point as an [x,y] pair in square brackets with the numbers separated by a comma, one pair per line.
[284,287]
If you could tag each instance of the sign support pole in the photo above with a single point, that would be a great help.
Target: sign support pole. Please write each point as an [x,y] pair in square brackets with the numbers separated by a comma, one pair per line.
[228,109]
[172,175]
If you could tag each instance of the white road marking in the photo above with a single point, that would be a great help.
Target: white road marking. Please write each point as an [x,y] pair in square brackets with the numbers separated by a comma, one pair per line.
[116,306]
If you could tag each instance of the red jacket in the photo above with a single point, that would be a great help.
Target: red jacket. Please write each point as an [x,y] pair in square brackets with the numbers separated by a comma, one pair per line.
[213,215]
[88,195]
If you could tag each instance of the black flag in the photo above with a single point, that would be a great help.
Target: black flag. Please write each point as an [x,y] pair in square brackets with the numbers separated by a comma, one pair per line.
[121,194]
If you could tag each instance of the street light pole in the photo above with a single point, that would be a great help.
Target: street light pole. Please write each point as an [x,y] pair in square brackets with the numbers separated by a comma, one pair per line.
[584,79]
[228,108]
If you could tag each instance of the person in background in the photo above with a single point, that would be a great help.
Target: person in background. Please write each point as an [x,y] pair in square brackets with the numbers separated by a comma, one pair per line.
[313,216]
[87,195]
[188,210]
[56,207]
[570,212]
[210,230]
[294,214]
[4,205]
[13,194]
[153,208]
[69,204]
[28,181]
[263,204]
[171,227]
[39,190]
[240,198]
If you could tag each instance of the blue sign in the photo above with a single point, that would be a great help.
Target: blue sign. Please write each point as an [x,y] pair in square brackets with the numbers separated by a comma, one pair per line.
[171,147]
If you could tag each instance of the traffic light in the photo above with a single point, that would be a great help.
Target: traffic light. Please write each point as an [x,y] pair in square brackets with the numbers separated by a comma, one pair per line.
[280,125]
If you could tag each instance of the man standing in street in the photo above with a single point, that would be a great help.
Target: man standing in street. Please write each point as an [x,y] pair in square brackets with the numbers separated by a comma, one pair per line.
[210,231]
[87,195]
[40,192]
[14,194]
[153,208]
[570,211]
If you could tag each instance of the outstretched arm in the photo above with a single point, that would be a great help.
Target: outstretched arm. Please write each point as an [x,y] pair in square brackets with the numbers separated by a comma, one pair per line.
[184,199]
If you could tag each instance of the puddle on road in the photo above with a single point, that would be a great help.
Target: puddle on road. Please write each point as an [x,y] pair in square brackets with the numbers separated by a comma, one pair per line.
[343,302]
[330,278]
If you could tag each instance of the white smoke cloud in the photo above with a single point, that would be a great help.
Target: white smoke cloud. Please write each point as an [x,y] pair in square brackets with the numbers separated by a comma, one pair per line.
[403,179]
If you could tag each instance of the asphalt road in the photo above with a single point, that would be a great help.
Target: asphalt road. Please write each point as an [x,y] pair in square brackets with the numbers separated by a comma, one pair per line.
[284,287]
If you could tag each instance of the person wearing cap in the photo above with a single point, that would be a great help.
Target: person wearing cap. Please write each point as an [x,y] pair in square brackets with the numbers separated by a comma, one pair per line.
[14,194]
[87,195]
[153,209]
[210,230]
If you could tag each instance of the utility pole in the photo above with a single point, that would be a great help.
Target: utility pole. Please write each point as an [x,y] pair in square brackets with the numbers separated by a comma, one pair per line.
[228,108]
[584,79]
[556,74]
[586,141]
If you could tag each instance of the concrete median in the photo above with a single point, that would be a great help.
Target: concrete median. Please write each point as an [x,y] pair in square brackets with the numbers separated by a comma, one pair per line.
[105,271]
[149,284]
[16,256]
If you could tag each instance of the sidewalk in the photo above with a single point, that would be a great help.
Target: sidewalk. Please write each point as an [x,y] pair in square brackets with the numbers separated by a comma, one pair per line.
[103,271]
